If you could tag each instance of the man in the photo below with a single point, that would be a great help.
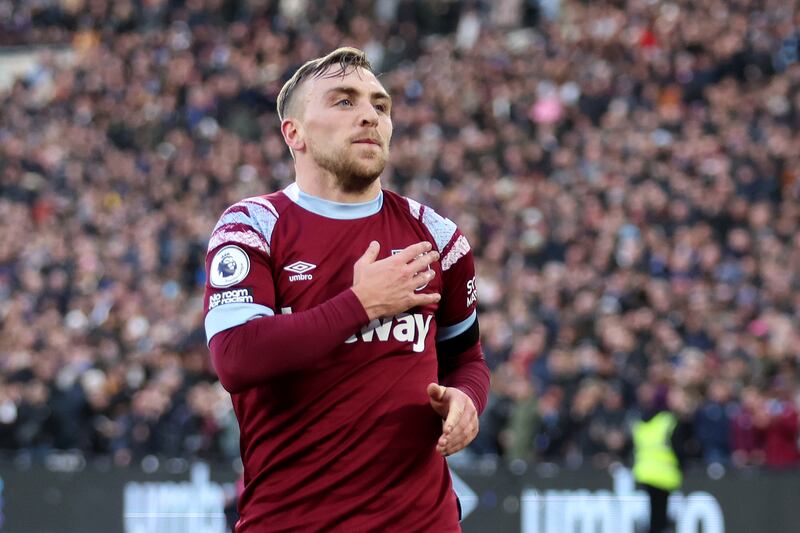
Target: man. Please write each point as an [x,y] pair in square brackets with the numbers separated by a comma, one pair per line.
[343,323]
[659,442]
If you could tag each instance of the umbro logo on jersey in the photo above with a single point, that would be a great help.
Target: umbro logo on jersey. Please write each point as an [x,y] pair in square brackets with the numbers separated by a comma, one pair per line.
[300,269]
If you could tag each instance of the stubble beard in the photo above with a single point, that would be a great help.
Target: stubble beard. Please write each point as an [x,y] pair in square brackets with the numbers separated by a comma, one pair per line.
[352,175]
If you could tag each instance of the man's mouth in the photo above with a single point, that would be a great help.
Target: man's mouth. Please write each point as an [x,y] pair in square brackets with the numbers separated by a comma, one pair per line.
[367,141]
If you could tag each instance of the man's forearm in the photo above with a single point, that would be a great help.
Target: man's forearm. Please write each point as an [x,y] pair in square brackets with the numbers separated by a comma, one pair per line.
[268,347]
[467,371]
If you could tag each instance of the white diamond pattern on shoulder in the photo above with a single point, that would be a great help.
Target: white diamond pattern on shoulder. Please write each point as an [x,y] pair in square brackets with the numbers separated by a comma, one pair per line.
[414,207]
[233,217]
[247,238]
[442,229]
[263,202]
[263,214]
[456,252]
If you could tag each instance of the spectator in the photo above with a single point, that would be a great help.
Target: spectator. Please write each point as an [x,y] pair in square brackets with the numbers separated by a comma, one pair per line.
[779,422]
[713,423]
[608,429]
[747,439]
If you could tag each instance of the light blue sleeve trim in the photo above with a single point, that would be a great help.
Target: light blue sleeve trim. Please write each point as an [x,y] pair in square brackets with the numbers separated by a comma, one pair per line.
[228,316]
[456,329]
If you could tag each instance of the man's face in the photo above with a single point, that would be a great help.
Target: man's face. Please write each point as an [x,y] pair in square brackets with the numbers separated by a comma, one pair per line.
[347,125]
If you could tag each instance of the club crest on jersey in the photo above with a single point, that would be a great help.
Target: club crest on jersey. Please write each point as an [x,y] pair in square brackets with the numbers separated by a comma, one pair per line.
[395,252]
[300,271]
[229,267]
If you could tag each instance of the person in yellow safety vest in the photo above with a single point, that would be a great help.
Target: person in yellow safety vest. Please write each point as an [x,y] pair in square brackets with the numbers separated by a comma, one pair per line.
[657,463]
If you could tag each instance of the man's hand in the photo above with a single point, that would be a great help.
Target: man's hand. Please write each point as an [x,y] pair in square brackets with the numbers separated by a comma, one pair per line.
[388,287]
[460,425]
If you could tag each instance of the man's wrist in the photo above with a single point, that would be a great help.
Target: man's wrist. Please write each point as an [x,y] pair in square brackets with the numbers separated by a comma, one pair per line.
[469,394]
[363,310]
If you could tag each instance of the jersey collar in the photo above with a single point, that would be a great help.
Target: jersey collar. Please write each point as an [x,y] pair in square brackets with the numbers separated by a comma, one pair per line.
[329,209]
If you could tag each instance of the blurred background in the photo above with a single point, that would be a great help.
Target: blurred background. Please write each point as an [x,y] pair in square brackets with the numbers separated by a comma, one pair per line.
[627,172]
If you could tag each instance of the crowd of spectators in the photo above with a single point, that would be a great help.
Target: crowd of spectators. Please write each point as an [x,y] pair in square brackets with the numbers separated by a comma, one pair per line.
[627,172]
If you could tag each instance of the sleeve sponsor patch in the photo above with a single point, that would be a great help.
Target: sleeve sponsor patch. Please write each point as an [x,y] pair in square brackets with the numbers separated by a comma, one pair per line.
[472,292]
[232,296]
[229,267]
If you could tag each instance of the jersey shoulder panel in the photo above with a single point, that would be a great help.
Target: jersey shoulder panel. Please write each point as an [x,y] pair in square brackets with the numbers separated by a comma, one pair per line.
[451,244]
[249,222]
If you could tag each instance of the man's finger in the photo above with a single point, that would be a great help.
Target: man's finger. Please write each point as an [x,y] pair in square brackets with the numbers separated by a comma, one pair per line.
[459,440]
[410,252]
[422,262]
[453,417]
[463,425]
[436,392]
[371,253]
[427,298]
[459,432]
[463,431]
[454,446]
[420,280]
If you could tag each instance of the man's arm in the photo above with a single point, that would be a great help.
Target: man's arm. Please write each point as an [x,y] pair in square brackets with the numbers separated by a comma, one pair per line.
[463,396]
[461,364]
[463,388]
[250,345]
[266,347]
[458,347]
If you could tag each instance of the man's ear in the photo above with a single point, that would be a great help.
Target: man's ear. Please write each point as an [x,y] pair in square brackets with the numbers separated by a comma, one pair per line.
[293,135]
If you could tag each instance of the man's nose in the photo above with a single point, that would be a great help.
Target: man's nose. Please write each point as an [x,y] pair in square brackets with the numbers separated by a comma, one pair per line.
[369,116]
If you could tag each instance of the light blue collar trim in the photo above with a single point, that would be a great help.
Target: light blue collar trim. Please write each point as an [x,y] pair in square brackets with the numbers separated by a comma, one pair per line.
[329,209]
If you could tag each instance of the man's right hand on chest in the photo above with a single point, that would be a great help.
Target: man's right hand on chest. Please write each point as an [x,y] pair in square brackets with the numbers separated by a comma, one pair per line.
[388,287]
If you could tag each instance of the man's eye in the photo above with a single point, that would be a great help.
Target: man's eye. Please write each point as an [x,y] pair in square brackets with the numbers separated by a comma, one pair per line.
[382,108]
[344,102]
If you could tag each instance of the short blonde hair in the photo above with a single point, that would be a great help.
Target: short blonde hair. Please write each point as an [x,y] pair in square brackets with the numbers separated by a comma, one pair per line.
[345,57]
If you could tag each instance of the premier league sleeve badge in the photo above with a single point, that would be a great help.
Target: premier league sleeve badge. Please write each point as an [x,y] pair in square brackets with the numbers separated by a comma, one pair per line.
[229,267]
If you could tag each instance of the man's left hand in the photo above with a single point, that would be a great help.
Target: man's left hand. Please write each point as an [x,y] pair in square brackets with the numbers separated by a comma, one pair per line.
[460,424]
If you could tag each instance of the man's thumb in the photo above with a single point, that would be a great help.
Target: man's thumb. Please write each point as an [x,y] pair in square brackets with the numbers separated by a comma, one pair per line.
[371,254]
[436,392]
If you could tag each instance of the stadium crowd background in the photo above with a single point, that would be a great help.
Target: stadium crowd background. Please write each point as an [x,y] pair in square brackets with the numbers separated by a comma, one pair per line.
[628,173]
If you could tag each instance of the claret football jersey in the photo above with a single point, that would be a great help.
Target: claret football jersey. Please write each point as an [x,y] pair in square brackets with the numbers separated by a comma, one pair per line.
[348,444]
